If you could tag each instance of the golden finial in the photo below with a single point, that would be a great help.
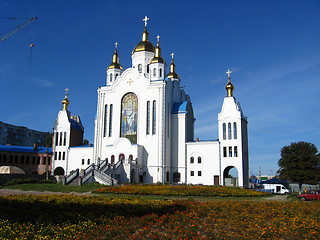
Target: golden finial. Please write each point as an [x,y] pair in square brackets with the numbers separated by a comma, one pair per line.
[172,73]
[157,56]
[115,59]
[65,101]
[229,86]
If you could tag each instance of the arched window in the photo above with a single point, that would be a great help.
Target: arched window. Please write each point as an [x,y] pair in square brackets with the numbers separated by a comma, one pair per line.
[59,155]
[130,157]
[160,72]
[224,132]
[27,160]
[38,160]
[234,130]
[64,156]
[140,68]
[110,77]
[229,131]
[60,141]
[82,162]
[192,160]
[57,137]
[154,117]
[148,117]
[33,160]
[16,159]
[44,160]
[230,151]
[110,120]
[64,138]
[129,117]
[4,158]
[199,159]
[121,157]
[154,72]
[112,159]
[114,79]
[148,68]
[55,156]
[236,151]
[22,160]
[88,162]
[105,120]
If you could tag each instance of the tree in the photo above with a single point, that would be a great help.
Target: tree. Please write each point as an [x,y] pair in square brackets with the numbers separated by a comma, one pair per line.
[85,142]
[300,163]
[48,141]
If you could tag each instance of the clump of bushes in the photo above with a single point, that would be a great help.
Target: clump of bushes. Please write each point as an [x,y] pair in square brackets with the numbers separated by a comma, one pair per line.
[16,181]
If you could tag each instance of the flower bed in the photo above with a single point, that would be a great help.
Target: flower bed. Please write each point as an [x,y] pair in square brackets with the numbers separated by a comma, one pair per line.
[90,217]
[181,190]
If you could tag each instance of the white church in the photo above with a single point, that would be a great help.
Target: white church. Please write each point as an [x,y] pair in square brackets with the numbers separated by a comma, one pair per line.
[144,130]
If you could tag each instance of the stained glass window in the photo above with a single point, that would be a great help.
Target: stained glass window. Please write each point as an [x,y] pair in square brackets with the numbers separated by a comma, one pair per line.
[129,117]
[235,130]
[229,131]
[224,131]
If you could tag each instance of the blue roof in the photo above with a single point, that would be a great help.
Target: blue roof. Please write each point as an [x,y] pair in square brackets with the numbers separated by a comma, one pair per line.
[6,148]
[179,107]
[75,125]
[83,146]
[274,181]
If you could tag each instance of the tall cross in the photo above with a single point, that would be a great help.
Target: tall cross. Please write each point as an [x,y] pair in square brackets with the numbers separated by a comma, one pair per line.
[66,91]
[145,20]
[116,44]
[158,38]
[130,81]
[172,54]
[228,73]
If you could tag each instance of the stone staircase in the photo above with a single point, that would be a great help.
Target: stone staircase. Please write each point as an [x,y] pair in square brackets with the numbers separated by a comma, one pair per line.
[93,173]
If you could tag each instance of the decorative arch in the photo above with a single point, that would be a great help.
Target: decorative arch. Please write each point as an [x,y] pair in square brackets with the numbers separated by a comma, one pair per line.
[58,171]
[129,117]
[230,179]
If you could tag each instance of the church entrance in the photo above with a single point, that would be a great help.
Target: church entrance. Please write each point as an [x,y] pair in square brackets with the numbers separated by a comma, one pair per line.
[230,176]
[58,171]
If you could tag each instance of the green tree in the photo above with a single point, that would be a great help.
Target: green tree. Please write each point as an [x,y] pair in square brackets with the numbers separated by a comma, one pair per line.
[48,141]
[85,142]
[300,163]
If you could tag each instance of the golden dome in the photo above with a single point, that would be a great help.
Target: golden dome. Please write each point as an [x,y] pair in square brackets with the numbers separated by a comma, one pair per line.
[145,44]
[65,101]
[229,86]
[172,73]
[157,56]
[115,61]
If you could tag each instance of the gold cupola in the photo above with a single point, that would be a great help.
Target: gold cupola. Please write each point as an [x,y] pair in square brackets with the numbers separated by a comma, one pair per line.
[145,44]
[157,56]
[229,86]
[115,60]
[172,73]
[65,101]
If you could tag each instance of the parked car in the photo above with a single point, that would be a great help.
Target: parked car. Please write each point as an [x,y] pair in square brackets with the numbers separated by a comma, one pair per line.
[311,195]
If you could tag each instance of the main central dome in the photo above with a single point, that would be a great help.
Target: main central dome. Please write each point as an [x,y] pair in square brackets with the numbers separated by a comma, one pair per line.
[145,44]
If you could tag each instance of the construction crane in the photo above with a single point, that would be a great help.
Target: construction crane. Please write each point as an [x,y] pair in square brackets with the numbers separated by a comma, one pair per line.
[8,34]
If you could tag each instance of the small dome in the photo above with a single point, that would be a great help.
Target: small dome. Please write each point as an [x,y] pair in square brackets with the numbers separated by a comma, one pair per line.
[157,56]
[229,88]
[11,170]
[172,73]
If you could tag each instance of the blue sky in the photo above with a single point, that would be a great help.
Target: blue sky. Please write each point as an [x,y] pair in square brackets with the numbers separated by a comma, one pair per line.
[272,48]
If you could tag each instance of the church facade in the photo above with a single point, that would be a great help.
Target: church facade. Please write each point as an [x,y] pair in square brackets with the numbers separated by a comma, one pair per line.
[144,129]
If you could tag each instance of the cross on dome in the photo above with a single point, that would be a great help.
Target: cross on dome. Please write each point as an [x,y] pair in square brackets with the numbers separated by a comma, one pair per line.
[158,38]
[229,72]
[66,91]
[145,20]
[172,54]
[116,44]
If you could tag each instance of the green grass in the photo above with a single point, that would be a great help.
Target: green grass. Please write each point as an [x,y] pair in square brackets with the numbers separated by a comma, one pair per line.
[38,187]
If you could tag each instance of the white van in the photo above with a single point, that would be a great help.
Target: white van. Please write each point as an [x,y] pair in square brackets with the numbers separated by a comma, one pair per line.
[276,188]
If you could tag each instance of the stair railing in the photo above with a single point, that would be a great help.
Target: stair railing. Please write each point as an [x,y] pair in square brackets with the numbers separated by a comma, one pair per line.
[69,178]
